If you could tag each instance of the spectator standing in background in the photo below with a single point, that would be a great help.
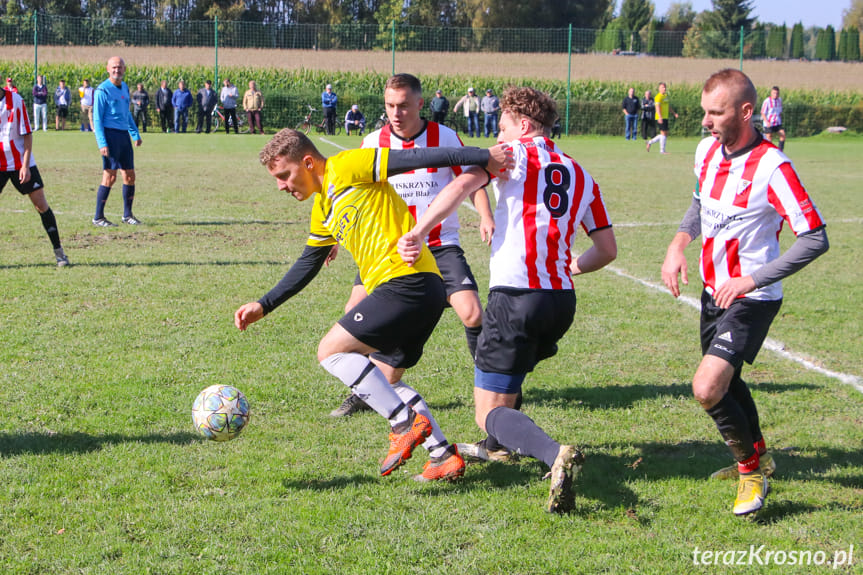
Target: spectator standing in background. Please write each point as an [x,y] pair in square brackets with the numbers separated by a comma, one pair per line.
[164,106]
[648,116]
[62,97]
[490,108]
[469,103]
[86,93]
[181,100]
[329,101]
[631,106]
[40,105]
[253,103]
[228,96]
[206,99]
[439,107]
[141,104]
[10,86]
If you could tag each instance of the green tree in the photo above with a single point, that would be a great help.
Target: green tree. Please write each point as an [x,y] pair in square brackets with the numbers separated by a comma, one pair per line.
[825,45]
[776,41]
[842,49]
[853,16]
[852,49]
[756,45]
[635,15]
[611,38]
[796,50]
[722,27]
[535,14]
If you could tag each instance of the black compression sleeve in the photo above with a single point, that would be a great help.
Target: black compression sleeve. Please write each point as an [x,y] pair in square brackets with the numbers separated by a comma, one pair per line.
[301,273]
[401,161]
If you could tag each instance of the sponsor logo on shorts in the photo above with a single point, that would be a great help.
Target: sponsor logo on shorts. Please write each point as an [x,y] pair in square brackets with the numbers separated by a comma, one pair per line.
[725,337]
[725,349]
[358,317]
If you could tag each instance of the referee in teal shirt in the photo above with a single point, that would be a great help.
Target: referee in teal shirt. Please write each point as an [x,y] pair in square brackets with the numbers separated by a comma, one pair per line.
[113,126]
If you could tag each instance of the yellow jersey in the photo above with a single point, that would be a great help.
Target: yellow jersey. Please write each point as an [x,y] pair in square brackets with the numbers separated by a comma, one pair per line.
[360,210]
[661,101]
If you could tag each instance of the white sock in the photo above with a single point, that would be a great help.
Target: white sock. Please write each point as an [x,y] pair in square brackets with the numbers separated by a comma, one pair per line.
[436,443]
[653,140]
[368,383]
[662,140]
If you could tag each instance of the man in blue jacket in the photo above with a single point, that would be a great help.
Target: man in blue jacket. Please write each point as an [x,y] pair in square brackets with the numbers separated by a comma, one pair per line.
[181,100]
[113,124]
[328,102]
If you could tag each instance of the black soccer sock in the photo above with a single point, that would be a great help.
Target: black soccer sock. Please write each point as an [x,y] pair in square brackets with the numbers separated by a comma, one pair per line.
[49,222]
[519,433]
[782,145]
[472,335]
[128,198]
[733,425]
[491,442]
[740,392]
[101,198]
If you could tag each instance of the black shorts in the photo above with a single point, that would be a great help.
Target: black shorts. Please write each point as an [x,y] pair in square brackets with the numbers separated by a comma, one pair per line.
[453,267]
[662,125]
[398,317]
[28,187]
[520,328]
[773,129]
[120,155]
[737,333]
[62,111]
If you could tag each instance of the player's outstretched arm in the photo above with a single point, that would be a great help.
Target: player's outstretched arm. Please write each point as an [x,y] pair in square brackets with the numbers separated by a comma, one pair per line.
[600,254]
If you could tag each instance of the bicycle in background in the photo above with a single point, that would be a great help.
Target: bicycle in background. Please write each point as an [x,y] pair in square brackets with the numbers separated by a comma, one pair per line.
[218,119]
[307,124]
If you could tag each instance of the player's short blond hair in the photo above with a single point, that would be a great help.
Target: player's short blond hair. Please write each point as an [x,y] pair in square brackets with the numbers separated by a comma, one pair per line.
[737,83]
[530,103]
[289,144]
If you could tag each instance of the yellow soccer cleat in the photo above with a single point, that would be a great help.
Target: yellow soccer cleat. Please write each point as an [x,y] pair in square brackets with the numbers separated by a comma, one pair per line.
[751,492]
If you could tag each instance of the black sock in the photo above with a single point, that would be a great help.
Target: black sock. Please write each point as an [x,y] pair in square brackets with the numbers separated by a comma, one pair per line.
[740,392]
[101,199]
[782,145]
[49,222]
[733,426]
[472,335]
[128,198]
[519,433]
[491,442]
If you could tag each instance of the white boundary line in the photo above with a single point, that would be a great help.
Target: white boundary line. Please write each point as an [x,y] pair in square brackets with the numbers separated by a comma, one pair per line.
[770,344]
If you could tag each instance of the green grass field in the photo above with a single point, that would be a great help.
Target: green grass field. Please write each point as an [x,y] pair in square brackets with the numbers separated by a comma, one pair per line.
[101,471]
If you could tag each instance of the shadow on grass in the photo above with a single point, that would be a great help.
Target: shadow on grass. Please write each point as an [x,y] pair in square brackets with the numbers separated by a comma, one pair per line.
[131,264]
[44,443]
[329,484]
[625,396]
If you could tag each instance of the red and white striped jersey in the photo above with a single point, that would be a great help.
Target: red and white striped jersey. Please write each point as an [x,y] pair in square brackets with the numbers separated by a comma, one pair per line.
[419,187]
[538,209]
[14,124]
[771,112]
[744,201]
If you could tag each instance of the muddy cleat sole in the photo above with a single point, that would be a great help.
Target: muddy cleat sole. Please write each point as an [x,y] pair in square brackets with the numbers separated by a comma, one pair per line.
[103,223]
[402,444]
[767,463]
[478,453]
[351,405]
[567,465]
[751,492]
[448,467]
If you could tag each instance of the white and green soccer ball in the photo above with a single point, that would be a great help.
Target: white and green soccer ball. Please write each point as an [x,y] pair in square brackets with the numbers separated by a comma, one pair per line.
[220,412]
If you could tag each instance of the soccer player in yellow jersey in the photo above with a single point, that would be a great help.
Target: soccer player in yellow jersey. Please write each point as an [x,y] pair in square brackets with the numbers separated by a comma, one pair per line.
[663,112]
[355,207]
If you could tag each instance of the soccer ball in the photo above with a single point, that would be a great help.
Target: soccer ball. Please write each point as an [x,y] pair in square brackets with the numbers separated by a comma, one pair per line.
[220,412]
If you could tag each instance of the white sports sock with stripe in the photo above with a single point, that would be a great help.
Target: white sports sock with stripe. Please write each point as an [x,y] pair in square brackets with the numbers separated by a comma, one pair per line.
[436,443]
[368,383]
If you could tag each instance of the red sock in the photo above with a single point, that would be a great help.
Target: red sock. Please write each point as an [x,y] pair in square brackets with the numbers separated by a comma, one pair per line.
[760,446]
[748,465]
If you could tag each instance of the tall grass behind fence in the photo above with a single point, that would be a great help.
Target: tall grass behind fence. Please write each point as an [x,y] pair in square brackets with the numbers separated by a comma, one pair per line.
[595,106]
